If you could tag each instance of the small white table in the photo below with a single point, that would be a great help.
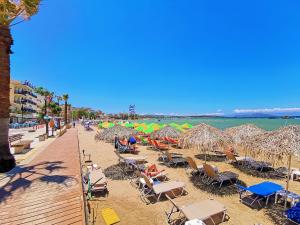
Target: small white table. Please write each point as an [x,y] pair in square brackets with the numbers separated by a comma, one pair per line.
[295,174]
[293,197]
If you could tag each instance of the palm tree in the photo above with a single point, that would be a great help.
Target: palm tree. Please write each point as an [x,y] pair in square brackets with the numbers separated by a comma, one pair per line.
[65,98]
[10,11]
[59,98]
[47,95]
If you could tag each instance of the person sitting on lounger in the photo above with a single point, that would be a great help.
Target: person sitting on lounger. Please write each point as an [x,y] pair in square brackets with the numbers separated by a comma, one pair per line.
[132,142]
[152,171]
[230,149]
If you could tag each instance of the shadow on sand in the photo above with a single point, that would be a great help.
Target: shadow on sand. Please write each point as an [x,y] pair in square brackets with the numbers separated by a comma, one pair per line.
[211,158]
[118,172]
[227,188]
[267,174]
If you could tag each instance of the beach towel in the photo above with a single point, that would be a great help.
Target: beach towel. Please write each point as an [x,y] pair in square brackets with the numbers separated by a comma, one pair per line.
[110,216]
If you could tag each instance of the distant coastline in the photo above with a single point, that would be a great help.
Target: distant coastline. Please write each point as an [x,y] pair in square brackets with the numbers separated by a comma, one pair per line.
[224,117]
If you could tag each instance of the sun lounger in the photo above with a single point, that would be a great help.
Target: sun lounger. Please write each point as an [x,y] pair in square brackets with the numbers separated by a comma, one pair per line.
[160,146]
[237,159]
[293,214]
[138,159]
[175,161]
[95,181]
[157,190]
[259,165]
[257,193]
[195,169]
[220,178]
[171,141]
[153,173]
[141,183]
[163,155]
[206,211]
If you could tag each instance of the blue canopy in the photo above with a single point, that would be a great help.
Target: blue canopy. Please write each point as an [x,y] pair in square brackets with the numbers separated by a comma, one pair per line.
[263,189]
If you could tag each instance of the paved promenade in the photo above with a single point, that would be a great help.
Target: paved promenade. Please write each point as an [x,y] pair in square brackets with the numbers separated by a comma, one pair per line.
[48,190]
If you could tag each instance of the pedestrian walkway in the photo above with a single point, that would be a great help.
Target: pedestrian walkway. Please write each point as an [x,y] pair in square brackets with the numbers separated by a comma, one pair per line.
[48,190]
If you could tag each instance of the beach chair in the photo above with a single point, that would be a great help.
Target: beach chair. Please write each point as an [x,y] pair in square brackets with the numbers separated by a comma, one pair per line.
[259,165]
[193,168]
[160,146]
[172,161]
[236,159]
[219,177]
[150,141]
[172,141]
[160,189]
[141,183]
[95,181]
[208,211]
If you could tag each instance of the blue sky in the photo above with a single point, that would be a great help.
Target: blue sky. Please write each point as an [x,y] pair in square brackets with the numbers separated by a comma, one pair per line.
[170,56]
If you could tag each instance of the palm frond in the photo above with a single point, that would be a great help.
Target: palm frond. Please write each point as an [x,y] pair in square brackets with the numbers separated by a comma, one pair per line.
[10,10]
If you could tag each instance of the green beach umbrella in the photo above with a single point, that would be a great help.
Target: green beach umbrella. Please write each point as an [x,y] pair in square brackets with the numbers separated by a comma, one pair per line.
[129,125]
[162,125]
[186,126]
[140,129]
[175,125]
[149,130]
[111,125]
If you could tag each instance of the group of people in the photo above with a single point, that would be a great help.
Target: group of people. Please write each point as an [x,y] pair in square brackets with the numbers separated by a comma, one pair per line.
[130,142]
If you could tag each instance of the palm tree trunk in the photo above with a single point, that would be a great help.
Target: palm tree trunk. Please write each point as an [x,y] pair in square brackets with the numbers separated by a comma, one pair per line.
[7,161]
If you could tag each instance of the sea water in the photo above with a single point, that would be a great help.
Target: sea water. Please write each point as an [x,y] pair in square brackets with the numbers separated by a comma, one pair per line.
[223,123]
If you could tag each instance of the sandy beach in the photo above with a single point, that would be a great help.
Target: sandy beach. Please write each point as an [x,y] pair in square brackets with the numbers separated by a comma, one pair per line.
[125,200]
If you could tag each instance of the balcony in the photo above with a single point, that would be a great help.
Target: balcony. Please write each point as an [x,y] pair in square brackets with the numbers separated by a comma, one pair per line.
[31,94]
[20,92]
[25,101]
[27,83]
[28,110]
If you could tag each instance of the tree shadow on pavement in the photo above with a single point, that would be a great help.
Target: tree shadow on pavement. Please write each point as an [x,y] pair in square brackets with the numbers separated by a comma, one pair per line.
[21,178]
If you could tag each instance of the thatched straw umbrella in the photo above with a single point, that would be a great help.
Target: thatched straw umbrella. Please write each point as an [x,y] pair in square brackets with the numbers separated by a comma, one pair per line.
[167,131]
[204,137]
[277,147]
[242,133]
[109,134]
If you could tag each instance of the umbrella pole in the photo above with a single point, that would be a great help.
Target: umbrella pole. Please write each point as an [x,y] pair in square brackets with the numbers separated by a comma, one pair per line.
[288,179]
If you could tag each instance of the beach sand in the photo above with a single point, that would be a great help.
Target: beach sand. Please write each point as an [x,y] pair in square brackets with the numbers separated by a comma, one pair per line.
[124,197]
